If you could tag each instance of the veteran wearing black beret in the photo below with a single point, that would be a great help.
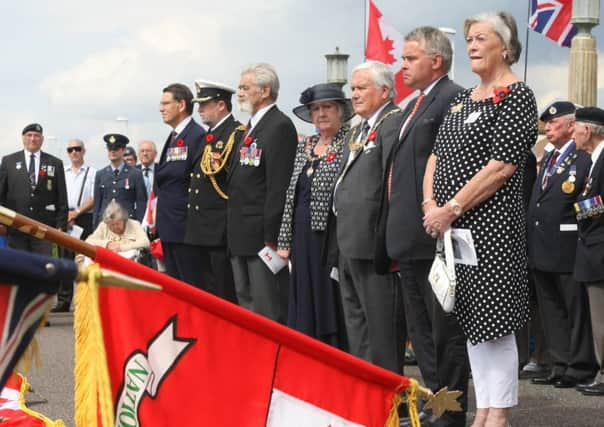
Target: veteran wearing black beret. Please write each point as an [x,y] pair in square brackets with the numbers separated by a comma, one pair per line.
[32,183]
[119,181]
[589,263]
[552,237]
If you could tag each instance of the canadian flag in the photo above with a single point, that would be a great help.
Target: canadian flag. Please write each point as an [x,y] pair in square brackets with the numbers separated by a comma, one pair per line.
[385,44]
[149,217]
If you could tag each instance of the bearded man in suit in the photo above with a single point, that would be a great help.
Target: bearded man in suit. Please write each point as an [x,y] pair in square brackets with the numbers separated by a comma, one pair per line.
[258,178]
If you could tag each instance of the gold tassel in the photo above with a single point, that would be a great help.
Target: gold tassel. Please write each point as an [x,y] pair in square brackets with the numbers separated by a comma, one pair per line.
[92,383]
[47,421]
[411,393]
[393,418]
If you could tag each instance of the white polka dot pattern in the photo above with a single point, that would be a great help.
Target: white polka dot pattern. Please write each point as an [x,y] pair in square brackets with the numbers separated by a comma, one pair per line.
[492,298]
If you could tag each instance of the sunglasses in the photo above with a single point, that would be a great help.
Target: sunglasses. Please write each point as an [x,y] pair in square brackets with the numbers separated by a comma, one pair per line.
[72,149]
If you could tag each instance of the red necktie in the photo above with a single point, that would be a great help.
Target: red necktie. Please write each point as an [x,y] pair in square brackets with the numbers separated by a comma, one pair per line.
[419,100]
[550,169]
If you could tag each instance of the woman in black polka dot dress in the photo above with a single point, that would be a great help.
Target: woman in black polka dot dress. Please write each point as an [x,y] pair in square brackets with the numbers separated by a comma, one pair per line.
[474,181]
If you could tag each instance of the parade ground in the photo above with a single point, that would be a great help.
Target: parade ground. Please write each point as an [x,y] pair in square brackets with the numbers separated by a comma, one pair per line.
[540,406]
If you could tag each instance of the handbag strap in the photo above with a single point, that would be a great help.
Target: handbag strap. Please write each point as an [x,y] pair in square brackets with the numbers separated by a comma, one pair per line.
[448,249]
[82,187]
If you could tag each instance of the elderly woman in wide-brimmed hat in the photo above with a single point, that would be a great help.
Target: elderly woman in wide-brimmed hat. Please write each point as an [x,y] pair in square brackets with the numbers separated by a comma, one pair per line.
[313,305]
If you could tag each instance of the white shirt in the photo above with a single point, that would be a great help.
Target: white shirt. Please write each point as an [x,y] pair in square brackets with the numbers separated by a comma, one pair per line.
[74,181]
[596,155]
[220,122]
[259,114]
[36,162]
[149,178]
[182,125]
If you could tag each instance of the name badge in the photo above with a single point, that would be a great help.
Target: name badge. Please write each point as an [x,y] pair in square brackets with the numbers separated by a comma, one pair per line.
[472,117]
[568,227]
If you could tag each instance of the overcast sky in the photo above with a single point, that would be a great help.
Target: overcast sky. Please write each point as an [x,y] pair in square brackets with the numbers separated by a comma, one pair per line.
[75,67]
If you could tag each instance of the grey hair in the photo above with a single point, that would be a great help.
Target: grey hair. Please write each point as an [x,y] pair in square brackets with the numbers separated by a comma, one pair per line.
[265,75]
[505,27]
[596,130]
[435,42]
[148,141]
[381,75]
[114,211]
[79,141]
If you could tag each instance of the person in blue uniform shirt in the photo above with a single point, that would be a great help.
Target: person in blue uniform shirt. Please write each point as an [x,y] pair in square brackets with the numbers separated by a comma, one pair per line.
[32,183]
[118,182]
[589,261]
[172,178]
[552,237]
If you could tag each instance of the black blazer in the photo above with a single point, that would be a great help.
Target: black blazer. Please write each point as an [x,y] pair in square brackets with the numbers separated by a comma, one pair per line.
[171,184]
[589,262]
[46,203]
[551,218]
[401,234]
[257,193]
[206,209]
[357,195]
[128,189]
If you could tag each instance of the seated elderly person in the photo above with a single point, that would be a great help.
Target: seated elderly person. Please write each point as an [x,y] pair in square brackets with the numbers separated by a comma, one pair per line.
[119,233]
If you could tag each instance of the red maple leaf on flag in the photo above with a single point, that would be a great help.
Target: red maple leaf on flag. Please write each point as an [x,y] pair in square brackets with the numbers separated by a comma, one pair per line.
[378,48]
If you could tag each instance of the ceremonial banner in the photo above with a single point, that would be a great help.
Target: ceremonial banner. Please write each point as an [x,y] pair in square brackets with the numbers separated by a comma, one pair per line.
[14,413]
[385,44]
[552,19]
[27,285]
[183,357]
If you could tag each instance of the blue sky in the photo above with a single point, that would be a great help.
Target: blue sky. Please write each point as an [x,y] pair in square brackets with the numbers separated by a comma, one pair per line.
[75,67]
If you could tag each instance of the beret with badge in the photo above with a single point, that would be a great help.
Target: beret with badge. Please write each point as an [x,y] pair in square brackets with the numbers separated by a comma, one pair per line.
[593,115]
[557,109]
[208,91]
[33,127]
[115,141]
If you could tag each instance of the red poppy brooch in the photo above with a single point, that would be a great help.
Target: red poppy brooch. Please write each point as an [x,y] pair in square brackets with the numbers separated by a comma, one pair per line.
[330,157]
[209,137]
[42,172]
[372,136]
[180,143]
[248,140]
[500,93]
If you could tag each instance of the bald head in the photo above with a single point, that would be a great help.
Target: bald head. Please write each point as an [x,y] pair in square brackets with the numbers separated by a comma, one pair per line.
[147,152]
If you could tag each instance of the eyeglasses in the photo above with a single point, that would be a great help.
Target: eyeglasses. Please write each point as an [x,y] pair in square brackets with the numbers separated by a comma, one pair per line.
[72,149]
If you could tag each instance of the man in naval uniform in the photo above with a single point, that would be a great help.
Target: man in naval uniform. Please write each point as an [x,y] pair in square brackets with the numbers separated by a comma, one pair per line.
[552,239]
[208,194]
[118,181]
[32,183]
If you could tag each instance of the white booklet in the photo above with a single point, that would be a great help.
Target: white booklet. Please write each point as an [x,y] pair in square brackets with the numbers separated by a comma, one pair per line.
[76,231]
[272,259]
[464,251]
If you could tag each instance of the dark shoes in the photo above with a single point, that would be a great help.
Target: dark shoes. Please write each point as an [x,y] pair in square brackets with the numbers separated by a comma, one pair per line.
[594,389]
[566,382]
[62,307]
[549,380]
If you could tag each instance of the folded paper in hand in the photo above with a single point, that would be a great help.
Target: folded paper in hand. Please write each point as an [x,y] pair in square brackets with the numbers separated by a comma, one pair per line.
[272,259]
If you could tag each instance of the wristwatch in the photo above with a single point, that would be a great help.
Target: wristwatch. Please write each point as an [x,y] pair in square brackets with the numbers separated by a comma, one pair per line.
[455,207]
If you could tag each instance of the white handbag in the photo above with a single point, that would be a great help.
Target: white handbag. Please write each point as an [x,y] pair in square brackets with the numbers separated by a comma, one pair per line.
[442,273]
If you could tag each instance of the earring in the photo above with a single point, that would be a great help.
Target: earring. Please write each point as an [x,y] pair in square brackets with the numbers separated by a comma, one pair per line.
[505,55]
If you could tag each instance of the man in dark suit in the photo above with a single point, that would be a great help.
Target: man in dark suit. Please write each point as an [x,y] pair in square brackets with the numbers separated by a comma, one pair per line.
[437,338]
[147,152]
[371,302]
[258,178]
[552,237]
[208,193]
[172,178]
[589,261]
[32,183]
[118,182]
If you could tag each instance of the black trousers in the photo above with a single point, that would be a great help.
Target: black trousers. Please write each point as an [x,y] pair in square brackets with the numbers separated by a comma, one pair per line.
[564,308]
[438,340]
[215,271]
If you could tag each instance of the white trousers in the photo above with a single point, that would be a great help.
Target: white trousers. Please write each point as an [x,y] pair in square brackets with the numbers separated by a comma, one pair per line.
[494,367]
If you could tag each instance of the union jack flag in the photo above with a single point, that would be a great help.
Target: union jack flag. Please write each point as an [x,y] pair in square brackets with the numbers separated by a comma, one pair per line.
[28,283]
[552,19]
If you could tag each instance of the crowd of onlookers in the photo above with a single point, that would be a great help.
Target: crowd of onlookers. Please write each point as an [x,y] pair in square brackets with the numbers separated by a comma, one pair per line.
[334,234]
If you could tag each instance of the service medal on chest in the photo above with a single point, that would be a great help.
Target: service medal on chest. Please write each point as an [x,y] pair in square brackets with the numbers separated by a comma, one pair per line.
[568,187]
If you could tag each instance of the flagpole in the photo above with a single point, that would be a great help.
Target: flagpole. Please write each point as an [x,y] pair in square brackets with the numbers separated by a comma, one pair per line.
[526,43]
[365,2]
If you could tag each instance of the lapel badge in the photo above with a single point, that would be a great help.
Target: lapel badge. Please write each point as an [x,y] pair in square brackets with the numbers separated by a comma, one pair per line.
[220,145]
[552,110]
[18,165]
[457,108]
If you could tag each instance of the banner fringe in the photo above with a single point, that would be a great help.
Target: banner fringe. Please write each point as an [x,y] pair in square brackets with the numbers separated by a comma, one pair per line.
[411,393]
[92,383]
[25,386]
